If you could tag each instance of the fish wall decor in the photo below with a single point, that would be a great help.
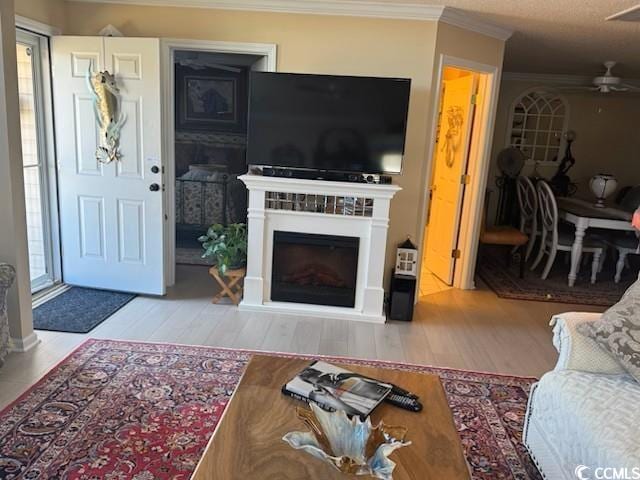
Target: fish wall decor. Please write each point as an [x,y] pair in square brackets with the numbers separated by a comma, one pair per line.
[107,103]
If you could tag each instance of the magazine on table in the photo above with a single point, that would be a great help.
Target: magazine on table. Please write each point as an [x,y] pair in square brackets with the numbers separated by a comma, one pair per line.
[334,388]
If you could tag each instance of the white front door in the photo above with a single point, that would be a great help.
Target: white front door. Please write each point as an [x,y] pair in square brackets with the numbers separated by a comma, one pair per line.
[111,220]
[450,164]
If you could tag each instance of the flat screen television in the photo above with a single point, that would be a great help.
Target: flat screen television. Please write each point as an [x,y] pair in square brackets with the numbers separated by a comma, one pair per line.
[327,123]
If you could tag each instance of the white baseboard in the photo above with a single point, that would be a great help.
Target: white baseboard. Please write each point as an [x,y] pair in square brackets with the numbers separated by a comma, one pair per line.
[312,311]
[24,344]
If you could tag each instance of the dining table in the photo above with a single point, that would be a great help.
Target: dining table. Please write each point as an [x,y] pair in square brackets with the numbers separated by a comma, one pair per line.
[583,214]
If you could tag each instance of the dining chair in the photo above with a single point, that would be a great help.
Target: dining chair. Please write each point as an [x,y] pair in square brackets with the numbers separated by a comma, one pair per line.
[625,245]
[555,238]
[504,235]
[528,202]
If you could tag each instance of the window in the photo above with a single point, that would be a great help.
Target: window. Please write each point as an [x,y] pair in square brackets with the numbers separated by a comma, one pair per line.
[537,123]
[33,90]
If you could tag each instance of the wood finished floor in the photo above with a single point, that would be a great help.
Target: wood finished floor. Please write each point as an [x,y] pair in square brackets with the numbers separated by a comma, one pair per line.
[452,328]
[430,284]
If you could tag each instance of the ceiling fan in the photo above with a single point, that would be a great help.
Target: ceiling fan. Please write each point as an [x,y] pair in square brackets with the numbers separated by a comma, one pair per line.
[610,83]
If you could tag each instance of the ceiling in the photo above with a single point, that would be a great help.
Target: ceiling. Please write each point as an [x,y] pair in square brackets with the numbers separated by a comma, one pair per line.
[560,36]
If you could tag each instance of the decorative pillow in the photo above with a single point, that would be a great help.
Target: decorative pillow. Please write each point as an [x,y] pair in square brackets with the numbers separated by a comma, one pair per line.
[618,330]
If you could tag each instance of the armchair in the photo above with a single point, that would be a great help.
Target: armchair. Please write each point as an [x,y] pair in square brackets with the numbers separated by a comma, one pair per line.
[585,411]
[7,274]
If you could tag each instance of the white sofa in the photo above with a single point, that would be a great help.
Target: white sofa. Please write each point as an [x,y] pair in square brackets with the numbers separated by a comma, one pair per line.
[584,412]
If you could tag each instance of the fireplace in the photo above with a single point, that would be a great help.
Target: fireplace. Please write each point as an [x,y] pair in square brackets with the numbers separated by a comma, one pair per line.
[316,248]
[314,269]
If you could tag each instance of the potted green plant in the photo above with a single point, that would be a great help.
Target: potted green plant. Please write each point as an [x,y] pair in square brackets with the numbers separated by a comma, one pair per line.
[226,244]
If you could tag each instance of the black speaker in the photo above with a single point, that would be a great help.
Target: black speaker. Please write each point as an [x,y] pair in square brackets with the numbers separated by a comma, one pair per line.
[403,291]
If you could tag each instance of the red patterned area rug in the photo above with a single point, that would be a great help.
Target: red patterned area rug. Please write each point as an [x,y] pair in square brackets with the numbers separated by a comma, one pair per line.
[123,410]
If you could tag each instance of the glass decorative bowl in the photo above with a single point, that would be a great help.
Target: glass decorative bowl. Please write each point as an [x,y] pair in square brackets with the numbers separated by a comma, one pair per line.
[352,446]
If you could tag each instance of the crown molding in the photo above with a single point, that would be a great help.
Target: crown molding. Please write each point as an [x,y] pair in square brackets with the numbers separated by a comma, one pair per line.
[36,27]
[359,8]
[460,18]
[355,8]
[631,14]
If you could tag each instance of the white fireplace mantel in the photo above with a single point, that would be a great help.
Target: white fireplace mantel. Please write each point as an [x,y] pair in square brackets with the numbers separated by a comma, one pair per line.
[370,225]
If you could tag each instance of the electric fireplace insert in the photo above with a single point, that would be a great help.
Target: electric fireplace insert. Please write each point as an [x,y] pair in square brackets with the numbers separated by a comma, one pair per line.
[314,269]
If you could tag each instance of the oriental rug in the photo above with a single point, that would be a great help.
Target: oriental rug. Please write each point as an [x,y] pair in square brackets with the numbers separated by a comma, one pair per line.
[144,411]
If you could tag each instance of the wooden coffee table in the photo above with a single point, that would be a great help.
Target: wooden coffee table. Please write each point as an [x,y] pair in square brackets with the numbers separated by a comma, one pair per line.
[247,443]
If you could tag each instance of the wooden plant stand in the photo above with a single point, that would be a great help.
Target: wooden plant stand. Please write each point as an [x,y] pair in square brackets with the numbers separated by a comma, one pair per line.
[229,284]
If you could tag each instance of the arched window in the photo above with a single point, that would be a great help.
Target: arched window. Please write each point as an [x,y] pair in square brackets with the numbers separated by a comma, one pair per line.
[537,123]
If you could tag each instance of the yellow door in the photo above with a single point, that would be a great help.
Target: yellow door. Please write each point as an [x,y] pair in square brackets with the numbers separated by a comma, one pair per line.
[447,187]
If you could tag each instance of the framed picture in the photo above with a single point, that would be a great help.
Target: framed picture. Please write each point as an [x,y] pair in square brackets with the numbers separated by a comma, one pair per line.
[211,99]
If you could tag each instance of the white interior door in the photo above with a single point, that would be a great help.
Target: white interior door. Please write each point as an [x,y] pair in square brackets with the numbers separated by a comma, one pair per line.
[111,221]
[450,164]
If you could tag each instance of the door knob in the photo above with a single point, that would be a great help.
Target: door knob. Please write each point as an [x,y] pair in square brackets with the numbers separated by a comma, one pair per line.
[155,169]
[154,187]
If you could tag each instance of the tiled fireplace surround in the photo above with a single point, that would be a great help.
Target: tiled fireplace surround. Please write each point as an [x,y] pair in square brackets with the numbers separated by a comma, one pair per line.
[318,207]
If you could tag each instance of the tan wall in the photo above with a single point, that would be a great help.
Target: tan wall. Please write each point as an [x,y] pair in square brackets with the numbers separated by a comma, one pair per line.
[457,42]
[51,12]
[309,44]
[607,135]
[324,44]
[13,230]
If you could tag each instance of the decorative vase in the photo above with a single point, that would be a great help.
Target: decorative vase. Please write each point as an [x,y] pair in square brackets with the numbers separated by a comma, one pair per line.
[602,185]
[352,446]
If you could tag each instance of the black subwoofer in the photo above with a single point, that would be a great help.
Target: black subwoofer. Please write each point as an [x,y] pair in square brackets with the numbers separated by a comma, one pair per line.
[402,297]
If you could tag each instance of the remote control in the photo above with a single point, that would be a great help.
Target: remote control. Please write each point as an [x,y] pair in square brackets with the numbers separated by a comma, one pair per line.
[402,392]
[403,401]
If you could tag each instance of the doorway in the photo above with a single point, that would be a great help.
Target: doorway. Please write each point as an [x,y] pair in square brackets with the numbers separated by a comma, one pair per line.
[211,109]
[457,174]
[34,91]
[200,148]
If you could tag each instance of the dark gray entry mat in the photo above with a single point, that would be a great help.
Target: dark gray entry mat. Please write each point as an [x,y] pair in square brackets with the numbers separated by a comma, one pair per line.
[79,309]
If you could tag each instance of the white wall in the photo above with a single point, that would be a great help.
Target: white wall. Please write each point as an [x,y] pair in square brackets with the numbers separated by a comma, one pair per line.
[13,228]
[608,135]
